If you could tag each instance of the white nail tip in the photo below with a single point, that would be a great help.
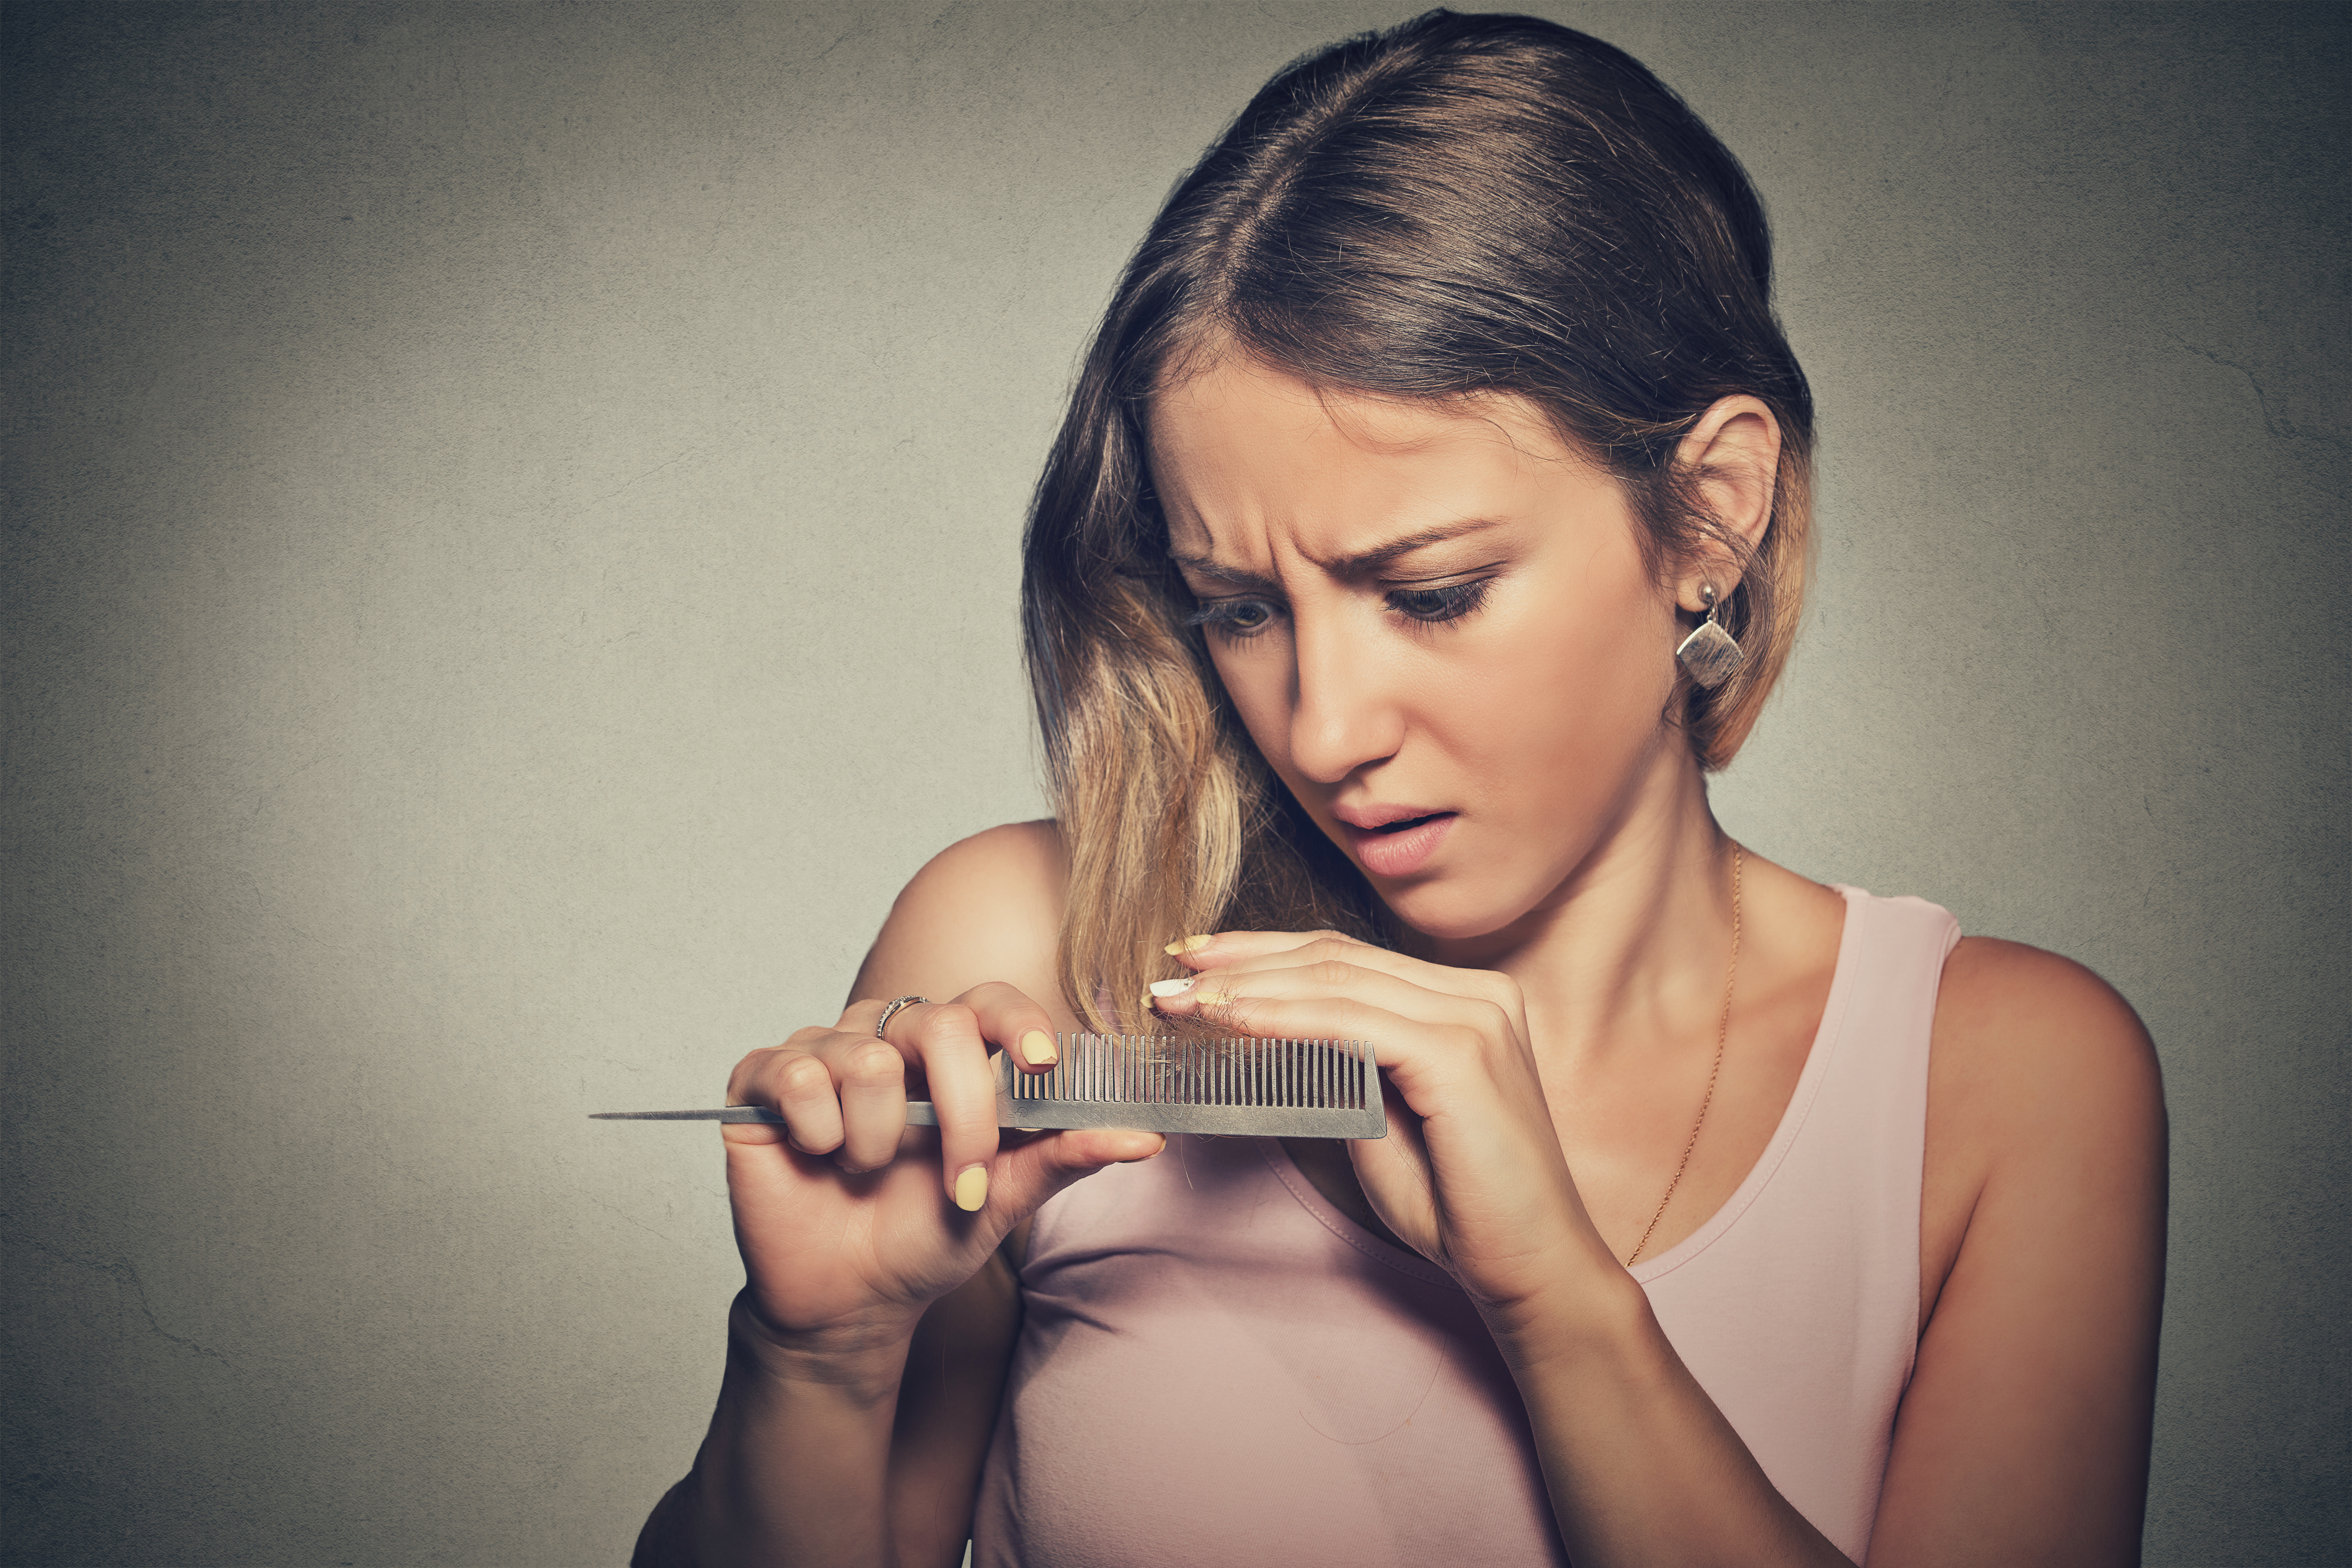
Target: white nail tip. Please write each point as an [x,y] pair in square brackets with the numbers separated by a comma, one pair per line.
[1171,987]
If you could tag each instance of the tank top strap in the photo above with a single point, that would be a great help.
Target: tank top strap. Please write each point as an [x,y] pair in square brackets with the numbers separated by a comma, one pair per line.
[1797,1305]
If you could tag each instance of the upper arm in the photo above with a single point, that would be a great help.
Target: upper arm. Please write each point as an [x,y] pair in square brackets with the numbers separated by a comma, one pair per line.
[986,909]
[2023,1435]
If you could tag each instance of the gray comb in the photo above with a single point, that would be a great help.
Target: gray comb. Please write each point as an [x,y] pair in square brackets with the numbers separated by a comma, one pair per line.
[1160,1083]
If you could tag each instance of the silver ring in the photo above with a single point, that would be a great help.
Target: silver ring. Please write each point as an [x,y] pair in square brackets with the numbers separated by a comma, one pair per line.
[890,1012]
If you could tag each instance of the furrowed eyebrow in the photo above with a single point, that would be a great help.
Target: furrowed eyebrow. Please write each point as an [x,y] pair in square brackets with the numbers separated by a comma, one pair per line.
[1363,563]
[1381,556]
[1201,566]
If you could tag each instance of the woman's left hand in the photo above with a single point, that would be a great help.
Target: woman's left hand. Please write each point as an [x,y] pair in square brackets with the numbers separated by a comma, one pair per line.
[1471,1174]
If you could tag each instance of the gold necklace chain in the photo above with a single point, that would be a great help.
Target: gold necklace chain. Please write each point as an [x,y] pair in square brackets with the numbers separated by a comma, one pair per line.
[1722,1033]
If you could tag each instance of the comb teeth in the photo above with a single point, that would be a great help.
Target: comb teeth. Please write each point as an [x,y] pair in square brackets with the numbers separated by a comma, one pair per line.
[1167,1069]
[1160,1083]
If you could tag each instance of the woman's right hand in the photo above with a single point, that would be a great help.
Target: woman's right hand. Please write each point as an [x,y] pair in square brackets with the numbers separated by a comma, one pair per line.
[850,1222]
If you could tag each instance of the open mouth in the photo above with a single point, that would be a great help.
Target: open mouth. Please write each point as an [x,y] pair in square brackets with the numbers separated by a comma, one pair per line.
[1401,847]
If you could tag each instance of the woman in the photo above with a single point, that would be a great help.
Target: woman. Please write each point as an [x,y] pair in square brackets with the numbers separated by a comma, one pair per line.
[1429,518]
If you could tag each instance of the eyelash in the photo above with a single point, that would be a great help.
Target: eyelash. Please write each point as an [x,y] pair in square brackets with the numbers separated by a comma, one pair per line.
[1453,601]
[1438,606]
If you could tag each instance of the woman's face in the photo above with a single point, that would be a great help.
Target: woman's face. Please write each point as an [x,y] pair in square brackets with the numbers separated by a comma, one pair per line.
[1436,623]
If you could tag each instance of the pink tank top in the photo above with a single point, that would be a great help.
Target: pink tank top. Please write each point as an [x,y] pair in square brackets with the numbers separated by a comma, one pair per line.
[1217,1367]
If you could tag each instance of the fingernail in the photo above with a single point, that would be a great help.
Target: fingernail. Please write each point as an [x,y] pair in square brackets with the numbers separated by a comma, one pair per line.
[1172,987]
[1038,1050]
[1150,1003]
[972,1188]
[1184,944]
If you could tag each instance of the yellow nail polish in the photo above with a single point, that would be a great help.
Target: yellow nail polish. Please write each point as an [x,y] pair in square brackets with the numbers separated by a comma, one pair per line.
[1038,1050]
[1184,944]
[972,1188]
[1150,1003]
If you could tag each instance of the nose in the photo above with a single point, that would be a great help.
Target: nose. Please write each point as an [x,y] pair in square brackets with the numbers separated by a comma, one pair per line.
[1341,714]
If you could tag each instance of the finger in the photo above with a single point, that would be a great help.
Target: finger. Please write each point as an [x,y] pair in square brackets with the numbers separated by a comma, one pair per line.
[794,1080]
[945,1038]
[1322,946]
[1009,1018]
[1235,998]
[1212,950]
[1033,1170]
[1395,1175]
[872,1076]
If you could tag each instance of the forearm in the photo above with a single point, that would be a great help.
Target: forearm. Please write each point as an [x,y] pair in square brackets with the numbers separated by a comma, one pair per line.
[1641,1466]
[796,1467]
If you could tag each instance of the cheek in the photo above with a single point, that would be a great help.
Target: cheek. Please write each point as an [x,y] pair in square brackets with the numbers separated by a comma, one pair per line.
[1563,703]
[1259,689]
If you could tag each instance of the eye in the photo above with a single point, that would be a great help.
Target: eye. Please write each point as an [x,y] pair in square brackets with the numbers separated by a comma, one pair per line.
[1446,602]
[1233,617]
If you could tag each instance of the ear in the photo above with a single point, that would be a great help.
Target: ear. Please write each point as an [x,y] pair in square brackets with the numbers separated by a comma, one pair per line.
[1735,452]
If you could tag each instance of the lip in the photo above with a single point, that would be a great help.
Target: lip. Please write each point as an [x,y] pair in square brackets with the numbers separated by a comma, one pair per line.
[1381,816]
[1386,850]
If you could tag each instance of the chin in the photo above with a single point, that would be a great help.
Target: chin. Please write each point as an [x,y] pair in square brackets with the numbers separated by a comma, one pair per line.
[1446,909]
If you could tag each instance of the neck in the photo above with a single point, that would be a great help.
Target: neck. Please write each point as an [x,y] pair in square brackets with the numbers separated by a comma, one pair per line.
[1630,947]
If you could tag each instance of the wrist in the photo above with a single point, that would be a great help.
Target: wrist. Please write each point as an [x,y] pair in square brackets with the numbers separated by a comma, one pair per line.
[861,1359]
[1591,1314]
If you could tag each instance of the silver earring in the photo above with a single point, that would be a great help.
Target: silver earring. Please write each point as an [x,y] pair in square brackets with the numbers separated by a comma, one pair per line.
[1711,653]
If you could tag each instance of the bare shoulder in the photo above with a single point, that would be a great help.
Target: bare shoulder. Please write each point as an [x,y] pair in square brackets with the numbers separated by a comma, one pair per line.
[1021,863]
[985,908]
[2028,1042]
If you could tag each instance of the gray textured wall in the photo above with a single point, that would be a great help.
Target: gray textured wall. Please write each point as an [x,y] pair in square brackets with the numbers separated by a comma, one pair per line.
[510,518]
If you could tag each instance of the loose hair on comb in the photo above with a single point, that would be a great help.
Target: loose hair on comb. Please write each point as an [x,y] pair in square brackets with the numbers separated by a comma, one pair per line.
[1457,207]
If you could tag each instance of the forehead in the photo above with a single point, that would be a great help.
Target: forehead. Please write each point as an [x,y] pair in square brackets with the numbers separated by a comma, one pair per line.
[1242,454]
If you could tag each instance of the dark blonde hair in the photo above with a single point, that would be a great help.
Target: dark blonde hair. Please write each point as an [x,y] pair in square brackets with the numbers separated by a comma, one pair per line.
[1456,207]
